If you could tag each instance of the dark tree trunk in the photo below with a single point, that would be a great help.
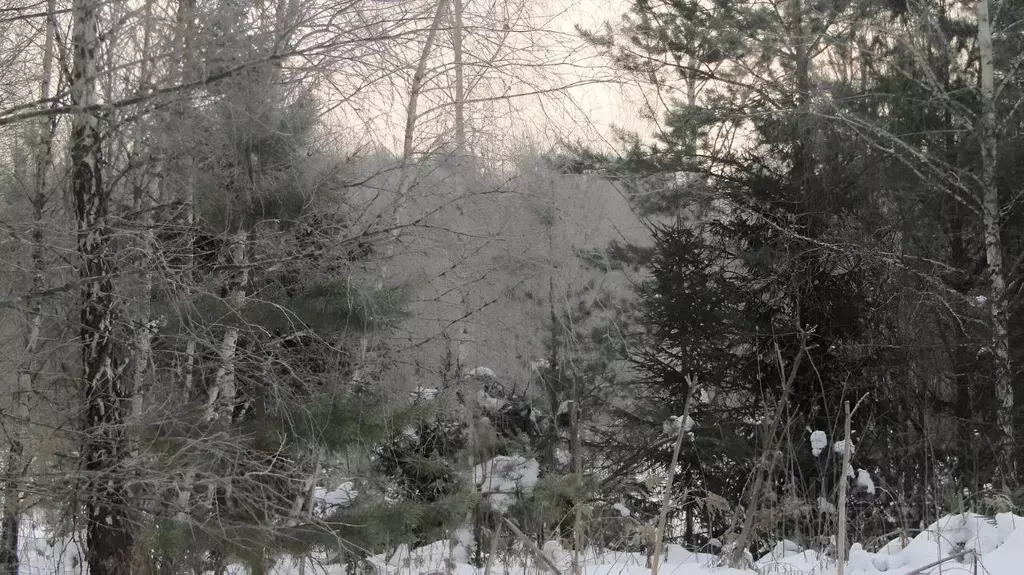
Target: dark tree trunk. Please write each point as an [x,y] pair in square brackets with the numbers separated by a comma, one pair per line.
[9,540]
[109,535]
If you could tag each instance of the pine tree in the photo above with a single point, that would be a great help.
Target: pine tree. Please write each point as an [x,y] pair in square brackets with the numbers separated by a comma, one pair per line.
[262,293]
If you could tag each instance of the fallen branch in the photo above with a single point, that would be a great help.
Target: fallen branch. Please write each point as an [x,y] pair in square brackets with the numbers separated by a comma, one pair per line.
[921,570]
[533,547]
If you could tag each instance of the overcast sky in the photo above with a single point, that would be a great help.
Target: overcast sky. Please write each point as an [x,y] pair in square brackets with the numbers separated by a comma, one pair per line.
[520,102]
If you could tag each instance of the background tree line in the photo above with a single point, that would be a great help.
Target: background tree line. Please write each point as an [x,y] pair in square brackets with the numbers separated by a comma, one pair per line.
[236,334]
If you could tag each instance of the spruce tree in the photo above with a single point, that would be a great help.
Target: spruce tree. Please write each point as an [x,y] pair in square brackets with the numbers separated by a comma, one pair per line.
[758,256]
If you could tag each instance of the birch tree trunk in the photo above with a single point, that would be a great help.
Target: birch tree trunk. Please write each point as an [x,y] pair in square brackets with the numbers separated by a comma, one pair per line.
[109,533]
[463,341]
[183,160]
[666,498]
[145,190]
[577,504]
[184,195]
[19,454]
[223,391]
[994,250]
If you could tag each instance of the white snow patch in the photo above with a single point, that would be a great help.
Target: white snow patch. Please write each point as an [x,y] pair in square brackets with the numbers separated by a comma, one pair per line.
[465,543]
[340,495]
[782,549]
[998,543]
[675,422]
[865,482]
[484,372]
[426,393]
[859,559]
[401,557]
[488,401]
[558,555]
[503,478]
[819,440]
[704,396]
[562,456]
[432,558]
[840,445]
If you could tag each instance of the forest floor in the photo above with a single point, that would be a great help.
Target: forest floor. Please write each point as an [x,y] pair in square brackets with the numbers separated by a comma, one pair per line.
[981,546]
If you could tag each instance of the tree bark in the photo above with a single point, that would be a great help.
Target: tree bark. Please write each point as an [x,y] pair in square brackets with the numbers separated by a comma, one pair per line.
[464,340]
[223,390]
[994,251]
[145,190]
[841,503]
[109,532]
[460,93]
[183,162]
[666,498]
[18,456]
[577,458]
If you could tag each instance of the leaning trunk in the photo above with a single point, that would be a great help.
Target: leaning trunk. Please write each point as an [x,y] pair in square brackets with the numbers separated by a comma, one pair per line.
[406,169]
[411,116]
[109,536]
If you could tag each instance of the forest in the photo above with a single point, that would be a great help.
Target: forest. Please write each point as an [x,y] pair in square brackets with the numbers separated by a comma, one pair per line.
[462,287]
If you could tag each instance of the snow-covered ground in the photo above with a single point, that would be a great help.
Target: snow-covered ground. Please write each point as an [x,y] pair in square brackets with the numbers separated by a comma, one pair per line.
[994,546]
